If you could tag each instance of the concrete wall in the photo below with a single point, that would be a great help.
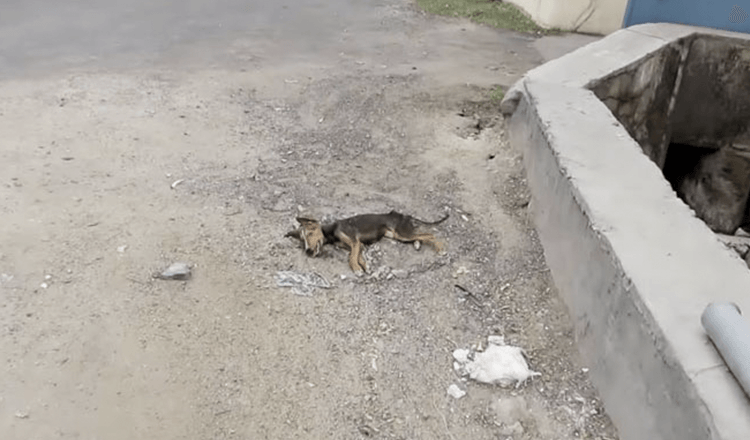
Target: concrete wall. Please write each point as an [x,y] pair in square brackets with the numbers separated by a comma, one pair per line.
[587,16]
[634,265]
[641,97]
[713,101]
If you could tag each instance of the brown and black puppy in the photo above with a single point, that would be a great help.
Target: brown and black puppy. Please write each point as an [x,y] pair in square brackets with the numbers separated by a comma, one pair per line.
[356,232]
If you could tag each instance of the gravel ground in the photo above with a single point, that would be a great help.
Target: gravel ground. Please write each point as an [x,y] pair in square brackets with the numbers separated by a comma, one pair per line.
[109,175]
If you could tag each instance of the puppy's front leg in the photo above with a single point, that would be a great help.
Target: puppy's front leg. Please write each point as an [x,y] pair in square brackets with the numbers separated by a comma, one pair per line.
[355,247]
[355,257]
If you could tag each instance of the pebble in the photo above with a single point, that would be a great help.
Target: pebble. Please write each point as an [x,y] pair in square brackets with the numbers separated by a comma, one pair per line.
[177,271]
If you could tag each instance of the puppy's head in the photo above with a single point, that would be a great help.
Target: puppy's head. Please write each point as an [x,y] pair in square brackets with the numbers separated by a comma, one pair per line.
[311,233]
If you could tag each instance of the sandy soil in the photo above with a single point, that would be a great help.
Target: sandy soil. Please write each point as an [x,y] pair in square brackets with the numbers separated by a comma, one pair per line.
[94,347]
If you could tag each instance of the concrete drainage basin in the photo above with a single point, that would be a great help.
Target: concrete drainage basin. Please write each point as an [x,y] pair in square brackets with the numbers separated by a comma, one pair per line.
[637,153]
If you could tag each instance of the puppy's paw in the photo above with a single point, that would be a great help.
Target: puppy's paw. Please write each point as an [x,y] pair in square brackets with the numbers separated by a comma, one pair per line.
[359,273]
[440,249]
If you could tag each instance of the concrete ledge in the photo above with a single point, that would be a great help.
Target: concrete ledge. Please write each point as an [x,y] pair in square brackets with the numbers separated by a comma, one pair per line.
[608,56]
[634,265]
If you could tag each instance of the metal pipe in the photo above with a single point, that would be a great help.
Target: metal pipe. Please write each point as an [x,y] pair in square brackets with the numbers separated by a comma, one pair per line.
[730,333]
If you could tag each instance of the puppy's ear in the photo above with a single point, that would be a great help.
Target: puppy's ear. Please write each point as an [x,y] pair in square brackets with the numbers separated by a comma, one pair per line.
[307,221]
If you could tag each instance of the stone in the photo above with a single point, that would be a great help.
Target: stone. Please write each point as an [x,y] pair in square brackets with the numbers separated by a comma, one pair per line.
[717,189]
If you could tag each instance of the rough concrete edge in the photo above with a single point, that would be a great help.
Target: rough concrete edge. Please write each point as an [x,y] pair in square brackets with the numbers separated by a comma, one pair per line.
[717,401]
[636,384]
[672,363]
[609,56]
[591,62]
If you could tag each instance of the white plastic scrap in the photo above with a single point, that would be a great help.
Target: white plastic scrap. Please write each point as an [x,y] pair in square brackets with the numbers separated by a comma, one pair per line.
[498,364]
[455,391]
[302,284]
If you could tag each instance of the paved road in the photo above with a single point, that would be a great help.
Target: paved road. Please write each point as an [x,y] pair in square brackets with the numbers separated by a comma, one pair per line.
[136,134]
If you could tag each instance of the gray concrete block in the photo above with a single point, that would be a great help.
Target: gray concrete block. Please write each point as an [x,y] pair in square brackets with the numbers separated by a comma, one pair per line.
[634,265]
[591,62]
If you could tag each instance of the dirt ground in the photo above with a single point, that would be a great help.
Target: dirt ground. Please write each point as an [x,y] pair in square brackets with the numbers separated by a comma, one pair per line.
[109,175]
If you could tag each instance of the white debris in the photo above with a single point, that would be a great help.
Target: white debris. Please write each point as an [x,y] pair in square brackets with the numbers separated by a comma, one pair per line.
[22,415]
[122,248]
[177,271]
[461,355]
[456,392]
[496,340]
[462,270]
[498,364]
[176,182]
[302,284]
[4,277]
[44,285]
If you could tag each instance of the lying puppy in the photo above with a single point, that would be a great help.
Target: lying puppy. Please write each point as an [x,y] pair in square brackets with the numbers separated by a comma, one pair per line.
[355,232]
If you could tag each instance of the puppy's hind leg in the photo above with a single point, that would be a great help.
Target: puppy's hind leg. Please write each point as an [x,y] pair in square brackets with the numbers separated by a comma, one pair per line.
[361,258]
[355,257]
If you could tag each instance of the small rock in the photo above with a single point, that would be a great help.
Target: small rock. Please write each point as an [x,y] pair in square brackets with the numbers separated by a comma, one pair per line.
[122,248]
[177,271]
[716,189]
[22,414]
[515,429]
[400,273]
[460,271]
[456,392]
[44,285]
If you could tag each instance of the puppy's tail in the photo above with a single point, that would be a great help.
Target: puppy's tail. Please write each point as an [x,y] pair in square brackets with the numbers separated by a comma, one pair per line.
[437,222]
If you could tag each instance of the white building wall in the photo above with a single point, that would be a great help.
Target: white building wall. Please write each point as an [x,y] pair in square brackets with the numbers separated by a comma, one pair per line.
[587,16]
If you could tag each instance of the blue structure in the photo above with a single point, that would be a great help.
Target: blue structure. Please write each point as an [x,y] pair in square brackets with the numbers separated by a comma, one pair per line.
[730,15]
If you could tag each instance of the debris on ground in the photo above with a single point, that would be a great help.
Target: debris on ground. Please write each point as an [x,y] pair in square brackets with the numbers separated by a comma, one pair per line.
[455,391]
[461,270]
[382,272]
[177,271]
[302,284]
[498,364]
